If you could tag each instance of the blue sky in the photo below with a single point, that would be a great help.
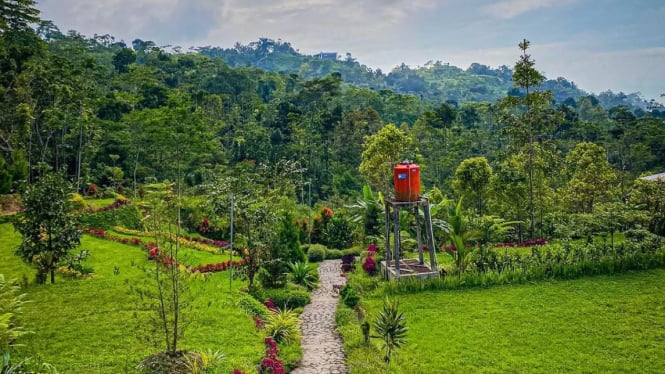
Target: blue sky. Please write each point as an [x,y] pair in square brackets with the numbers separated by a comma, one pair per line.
[599,45]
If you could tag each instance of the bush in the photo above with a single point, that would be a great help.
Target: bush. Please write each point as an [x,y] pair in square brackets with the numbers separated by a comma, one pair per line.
[316,253]
[253,307]
[287,299]
[334,254]
[305,248]
[283,326]
[349,296]
[370,265]
[353,251]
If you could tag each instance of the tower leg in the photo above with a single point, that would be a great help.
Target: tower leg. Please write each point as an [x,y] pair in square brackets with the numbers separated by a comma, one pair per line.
[387,251]
[418,236]
[430,237]
[396,238]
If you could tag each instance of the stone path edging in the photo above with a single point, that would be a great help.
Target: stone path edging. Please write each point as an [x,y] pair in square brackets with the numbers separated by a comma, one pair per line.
[322,347]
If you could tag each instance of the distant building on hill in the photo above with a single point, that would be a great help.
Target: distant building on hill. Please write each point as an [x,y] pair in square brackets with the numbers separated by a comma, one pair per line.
[327,55]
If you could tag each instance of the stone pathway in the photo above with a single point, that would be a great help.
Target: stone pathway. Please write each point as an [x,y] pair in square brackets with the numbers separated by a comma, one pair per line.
[323,351]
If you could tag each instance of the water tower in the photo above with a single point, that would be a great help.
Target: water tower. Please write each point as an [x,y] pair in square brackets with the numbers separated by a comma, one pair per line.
[406,177]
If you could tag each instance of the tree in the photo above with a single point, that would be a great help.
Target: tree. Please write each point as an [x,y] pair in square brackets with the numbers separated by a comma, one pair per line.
[591,176]
[47,226]
[528,117]
[473,177]
[17,14]
[381,152]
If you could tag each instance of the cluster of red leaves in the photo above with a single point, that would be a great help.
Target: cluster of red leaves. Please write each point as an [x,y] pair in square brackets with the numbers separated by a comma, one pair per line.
[220,266]
[270,305]
[271,362]
[369,265]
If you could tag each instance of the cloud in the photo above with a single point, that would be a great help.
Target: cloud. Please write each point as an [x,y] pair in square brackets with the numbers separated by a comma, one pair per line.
[508,9]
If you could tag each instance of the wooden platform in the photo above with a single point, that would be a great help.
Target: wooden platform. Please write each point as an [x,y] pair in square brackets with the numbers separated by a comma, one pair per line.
[408,268]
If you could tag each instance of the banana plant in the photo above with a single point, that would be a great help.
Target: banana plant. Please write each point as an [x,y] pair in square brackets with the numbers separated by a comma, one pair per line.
[460,234]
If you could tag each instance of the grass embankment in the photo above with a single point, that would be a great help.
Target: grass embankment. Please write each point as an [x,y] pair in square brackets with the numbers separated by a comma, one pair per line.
[590,325]
[95,325]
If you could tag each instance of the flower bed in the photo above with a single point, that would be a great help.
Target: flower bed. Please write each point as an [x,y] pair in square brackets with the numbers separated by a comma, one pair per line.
[153,252]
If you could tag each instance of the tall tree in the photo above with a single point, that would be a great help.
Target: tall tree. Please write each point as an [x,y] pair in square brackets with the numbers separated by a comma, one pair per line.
[529,116]
[472,180]
[381,152]
[48,228]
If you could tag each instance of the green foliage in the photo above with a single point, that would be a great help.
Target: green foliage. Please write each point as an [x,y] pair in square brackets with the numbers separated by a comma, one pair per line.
[288,298]
[338,233]
[334,254]
[253,307]
[12,303]
[349,296]
[591,176]
[316,253]
[48,229]
[381,152]
[283,326]
[303,274]
[390,327]
[472,181]
[127,216]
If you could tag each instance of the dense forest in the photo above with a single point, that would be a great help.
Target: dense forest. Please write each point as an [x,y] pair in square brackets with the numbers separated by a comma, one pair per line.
[119,116]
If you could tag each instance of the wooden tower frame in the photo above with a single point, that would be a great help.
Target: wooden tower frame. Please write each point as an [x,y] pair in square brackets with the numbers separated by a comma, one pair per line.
[393,267]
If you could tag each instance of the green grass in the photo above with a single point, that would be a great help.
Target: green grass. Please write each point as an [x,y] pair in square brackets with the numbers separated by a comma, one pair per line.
[189,256]
[91,325]
[589,325]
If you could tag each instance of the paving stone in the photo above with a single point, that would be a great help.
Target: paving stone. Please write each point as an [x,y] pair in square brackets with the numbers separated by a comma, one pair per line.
[322,347]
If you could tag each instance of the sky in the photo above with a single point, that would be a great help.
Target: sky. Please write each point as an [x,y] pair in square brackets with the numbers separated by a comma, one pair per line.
[599,45]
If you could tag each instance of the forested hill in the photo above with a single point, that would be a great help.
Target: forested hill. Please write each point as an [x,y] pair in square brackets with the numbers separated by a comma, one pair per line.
[124,116]
[436,82]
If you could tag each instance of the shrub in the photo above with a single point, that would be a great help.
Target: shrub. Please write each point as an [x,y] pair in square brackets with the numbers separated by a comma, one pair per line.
[370,265]
[253,307]
[285,298]
[354,251]
[303,274]
[282,326]
[338,233]
[334,254]
[316,253]
[349,296]
[390,326]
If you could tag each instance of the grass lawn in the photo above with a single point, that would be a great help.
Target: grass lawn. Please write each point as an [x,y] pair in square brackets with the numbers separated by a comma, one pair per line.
[590,325]
[96,325]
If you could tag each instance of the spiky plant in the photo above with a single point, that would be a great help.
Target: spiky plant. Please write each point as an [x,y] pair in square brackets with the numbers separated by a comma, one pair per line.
[303,274]
[390,327]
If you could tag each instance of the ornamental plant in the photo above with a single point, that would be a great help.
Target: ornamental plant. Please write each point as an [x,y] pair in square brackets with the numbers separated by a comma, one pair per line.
[390,327]
[370,266]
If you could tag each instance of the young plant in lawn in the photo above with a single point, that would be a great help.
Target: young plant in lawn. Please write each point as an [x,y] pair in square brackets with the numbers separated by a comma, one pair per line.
[47,226]
[390,327]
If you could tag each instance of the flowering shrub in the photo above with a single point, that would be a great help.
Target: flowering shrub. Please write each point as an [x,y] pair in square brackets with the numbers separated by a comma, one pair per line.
[371,248]
[236,371]
[369,265]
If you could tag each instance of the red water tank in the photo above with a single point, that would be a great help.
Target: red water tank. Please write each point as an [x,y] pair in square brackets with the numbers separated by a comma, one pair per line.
[407,181]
